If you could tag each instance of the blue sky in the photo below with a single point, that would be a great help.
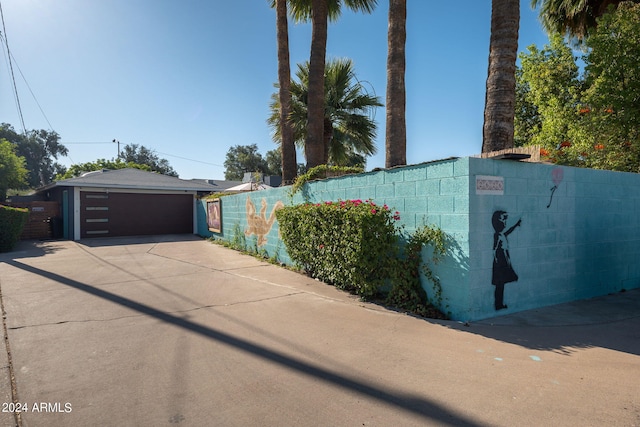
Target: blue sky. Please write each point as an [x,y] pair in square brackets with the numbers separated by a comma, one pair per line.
[191,78]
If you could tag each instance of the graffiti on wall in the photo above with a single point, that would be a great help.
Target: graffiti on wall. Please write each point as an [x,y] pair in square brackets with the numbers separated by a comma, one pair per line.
[258,223]
[503,271]
[557,175]
[214,219]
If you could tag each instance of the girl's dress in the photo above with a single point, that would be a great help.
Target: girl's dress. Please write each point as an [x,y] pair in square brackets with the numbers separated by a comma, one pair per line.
[502,270]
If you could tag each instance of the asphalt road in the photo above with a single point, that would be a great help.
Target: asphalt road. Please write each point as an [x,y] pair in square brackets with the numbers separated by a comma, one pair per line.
[177,331]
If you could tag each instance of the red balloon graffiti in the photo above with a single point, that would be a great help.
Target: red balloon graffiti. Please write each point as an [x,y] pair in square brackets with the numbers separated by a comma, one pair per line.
[557,175]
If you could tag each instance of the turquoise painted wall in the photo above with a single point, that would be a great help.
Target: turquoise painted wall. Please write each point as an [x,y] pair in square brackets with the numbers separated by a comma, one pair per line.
[583,244]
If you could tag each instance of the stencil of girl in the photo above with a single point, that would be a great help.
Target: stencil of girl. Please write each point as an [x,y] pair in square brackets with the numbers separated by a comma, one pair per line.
[503,271]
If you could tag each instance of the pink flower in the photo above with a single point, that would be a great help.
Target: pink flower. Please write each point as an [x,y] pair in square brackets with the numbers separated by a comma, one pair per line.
[373,211]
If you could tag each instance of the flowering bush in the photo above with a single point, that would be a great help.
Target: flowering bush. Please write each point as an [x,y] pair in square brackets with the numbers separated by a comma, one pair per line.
[354,245]
[350,244]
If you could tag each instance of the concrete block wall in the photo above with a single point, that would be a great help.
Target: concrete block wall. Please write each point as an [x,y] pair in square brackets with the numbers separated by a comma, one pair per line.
[245,219]
[433,193]
[579,240]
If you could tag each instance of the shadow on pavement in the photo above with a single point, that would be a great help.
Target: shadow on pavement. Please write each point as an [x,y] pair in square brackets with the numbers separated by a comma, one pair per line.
[611,321]
[415,404]
[32,249]
[137,240]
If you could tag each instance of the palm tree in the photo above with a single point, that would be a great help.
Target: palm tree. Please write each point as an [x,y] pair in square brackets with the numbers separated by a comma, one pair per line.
[349,131]
[314,149]
[396,135]
[289,165]
[574,18]
[320,12]
[499,109]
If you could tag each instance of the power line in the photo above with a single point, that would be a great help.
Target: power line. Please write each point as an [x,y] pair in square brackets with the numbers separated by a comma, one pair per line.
[89,142]
[191,160]
[28,86]
[157,152]
[13,78]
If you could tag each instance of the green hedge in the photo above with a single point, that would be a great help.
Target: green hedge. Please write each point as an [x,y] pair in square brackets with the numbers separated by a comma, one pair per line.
[12,221]
[349,244]
[356,246]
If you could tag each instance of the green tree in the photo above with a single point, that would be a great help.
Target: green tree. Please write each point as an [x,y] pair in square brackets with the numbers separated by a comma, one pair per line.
[396,131]
[76,170]
[574,18]
[349,130]
[499,110]
[320,12]
[548,92]
[273,158]
[40,149]
[590,120]
[139,154]
[612,75]
[13,174]
[246,158]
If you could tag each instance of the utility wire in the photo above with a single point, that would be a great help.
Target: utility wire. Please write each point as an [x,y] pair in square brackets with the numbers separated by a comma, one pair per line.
[89,142]
[29,87]
[191,160]
[157,152]
[13,78]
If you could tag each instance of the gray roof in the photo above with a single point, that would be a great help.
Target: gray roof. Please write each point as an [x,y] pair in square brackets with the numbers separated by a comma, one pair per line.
[219,184]
[130,178]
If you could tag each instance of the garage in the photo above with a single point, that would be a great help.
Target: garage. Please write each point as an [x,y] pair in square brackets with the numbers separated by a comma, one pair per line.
[128,202]
[134,214]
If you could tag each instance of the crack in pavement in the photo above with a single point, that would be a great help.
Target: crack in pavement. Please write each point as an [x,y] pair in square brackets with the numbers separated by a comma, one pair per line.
[229,271]
[190,310]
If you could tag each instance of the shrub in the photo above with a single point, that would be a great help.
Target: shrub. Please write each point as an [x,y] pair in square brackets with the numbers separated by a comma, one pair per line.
[350,244]
[355,246]
[12,221]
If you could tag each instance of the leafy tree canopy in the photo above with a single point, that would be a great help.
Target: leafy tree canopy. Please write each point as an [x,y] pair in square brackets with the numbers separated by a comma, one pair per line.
[80,168]
[590,119]
[246,158]
[40,149]
[13,174]
[132,156]
[577,19]
[141,155]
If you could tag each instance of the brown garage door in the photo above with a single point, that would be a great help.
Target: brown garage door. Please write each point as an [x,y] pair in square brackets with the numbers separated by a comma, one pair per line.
[128,214]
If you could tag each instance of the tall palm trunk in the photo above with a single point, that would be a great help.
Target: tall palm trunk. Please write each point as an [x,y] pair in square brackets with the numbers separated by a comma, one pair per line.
[289,166]
[326,139]
[499,109]
[314,146]
[396,132]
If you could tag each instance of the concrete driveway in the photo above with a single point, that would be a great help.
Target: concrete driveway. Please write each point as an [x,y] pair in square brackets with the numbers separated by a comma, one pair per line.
[176,331]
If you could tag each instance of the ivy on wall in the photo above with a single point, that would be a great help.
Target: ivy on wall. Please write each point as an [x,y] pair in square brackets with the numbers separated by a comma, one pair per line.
[321,172]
